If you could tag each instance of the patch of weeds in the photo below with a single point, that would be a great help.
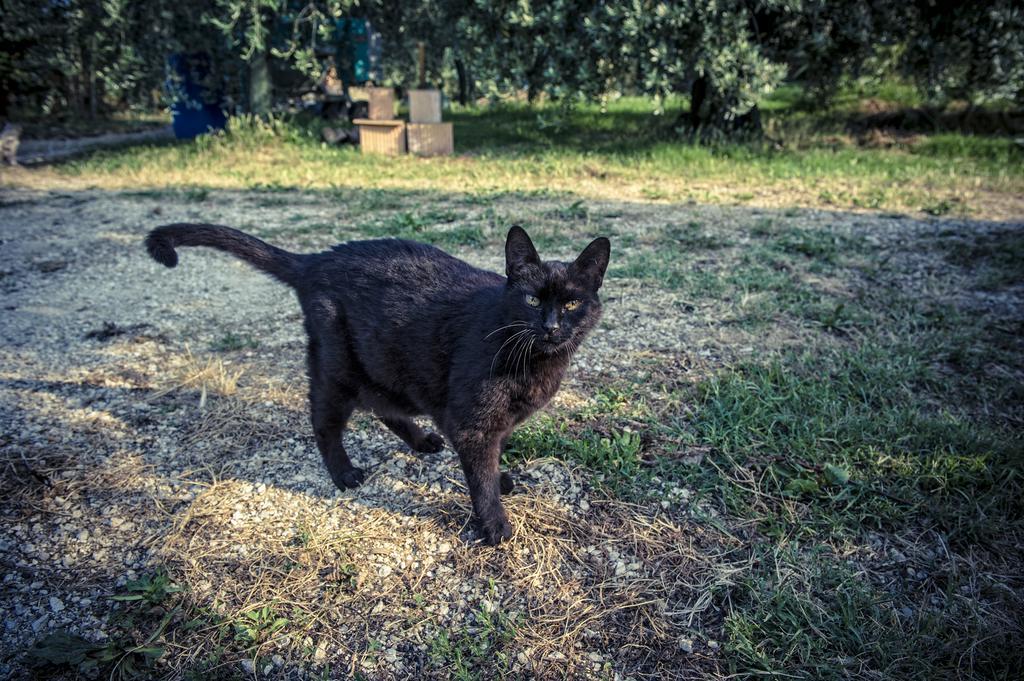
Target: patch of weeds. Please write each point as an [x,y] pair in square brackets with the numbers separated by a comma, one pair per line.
[132,648]
[820,245]
[574,211]
[615,454]
[763,227]
[257,626]
[873,199]
[481,650]
[272,201]
[997,257]
[149,194]
[377,199]
[271,187]
[810,622]
[938,208]
[671,270]
[829,198]
[231,342]
[303,537]
[463,235]
[121,658]
[601,435]
[692,237]
[655,193]
[433,226]
[196,194]
[835,320]
[151,589]
[344,576]
[499,220]
[479,198]
[407,224]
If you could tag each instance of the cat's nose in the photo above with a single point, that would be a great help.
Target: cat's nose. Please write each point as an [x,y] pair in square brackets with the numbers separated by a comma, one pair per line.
[551,326]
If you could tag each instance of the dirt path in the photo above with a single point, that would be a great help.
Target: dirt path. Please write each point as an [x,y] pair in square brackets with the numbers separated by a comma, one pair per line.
[31,152]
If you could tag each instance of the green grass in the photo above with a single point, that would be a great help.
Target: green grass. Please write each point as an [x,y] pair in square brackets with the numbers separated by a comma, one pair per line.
[439,227]
[894,424]
[627,149]
[231,342]
[478,651]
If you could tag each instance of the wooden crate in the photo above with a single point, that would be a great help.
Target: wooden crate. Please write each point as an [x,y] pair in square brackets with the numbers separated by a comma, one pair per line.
[382,103]
[431,139]
[425,106]
[381,137]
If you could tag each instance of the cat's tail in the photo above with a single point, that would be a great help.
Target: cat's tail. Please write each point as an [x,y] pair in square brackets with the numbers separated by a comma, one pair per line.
[279,263]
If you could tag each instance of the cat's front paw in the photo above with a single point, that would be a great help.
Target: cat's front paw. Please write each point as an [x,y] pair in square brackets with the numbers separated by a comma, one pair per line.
[495,530]
[431,443]
[349,478]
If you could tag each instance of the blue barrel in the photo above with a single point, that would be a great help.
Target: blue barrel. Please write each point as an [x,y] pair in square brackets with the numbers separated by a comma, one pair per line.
[196,108]
[359,50]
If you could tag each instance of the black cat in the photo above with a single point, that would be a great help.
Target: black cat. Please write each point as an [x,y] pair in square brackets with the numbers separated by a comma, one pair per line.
[404,329]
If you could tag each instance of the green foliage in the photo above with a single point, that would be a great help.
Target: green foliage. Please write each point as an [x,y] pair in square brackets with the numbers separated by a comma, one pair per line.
[257,626]
[479,651]
[972,51]
[121,658]
[68,651]
[87,55]
[90,56]
[231,342]
[150,589]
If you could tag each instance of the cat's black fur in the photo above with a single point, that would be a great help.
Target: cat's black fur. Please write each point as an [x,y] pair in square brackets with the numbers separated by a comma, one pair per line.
[403,329]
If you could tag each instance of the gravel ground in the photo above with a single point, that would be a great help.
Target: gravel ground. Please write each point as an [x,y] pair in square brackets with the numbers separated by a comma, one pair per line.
[131,448]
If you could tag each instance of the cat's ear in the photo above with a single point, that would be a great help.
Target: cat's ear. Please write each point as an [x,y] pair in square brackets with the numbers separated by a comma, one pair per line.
[589,267]
[519,253]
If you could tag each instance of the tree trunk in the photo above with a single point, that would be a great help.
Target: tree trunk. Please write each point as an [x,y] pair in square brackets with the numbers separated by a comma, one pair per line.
[698,95]
[260,87]
[534,78]
[707,114]
[87,88]
[460,69]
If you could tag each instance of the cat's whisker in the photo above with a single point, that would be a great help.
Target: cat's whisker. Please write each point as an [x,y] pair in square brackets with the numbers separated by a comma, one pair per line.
[514,339]
[508,340]
[507,326]
[526,356]
[519,354]
[514,356]
[571,347]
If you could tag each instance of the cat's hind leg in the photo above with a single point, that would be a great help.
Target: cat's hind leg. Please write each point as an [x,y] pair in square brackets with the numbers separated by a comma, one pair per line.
[331,405]
[414,436]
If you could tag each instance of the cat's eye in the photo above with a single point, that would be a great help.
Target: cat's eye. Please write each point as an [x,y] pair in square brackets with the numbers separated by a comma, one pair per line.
[533,301]
[572,305]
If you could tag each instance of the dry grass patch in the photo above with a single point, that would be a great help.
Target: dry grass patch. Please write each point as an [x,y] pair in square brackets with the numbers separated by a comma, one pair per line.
[376,582]
[208,375]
